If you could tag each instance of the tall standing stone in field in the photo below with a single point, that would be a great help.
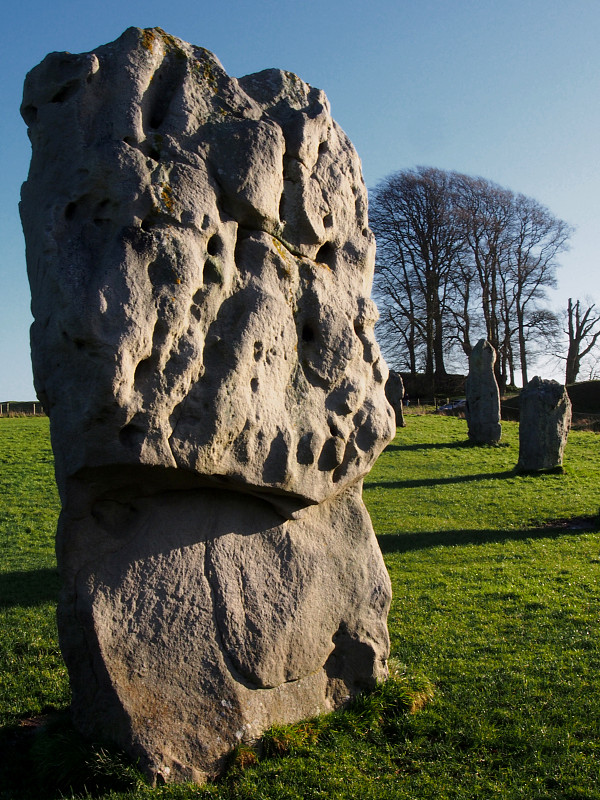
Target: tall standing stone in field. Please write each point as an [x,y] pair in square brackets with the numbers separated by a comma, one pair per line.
[544,422]
[200,264]
[483,397]
[394,392]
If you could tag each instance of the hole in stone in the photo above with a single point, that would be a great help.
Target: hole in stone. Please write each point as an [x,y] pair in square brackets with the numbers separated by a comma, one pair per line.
[282,208]
[329,458]
[258,350]
[304,453]
[65,92]
[308,334]
[335,431]
[160,333]
[214,245]
[148,222]
[70,210]
[254,384]
[239,249]
[211,273]
[328,220]
[326,254]
[365,232]
[366,437]
[154,154]
[145,369]
[377,373]
[160,272]
[131,435]
[323,147]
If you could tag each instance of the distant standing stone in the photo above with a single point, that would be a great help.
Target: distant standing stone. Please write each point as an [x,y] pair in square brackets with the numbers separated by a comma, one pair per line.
[544,425]
[483,397]
[394,392]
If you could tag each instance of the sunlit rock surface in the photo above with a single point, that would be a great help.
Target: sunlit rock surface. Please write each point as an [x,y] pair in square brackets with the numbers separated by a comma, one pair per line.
[200,264]
[544,423]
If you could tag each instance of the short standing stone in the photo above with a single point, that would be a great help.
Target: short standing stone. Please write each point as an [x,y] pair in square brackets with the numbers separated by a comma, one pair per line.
[545,419]
[483,398]
[394,392]
[200,264]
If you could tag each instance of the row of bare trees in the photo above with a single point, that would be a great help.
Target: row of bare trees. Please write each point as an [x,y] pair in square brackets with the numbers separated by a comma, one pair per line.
[459,258]
[582,331]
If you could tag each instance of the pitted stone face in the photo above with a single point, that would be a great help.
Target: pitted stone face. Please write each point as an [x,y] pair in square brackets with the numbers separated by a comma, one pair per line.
[200,271]
[200,264]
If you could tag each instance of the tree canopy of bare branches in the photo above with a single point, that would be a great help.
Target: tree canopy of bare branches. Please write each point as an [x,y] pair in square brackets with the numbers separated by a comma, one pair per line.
[459,258]
[583,333]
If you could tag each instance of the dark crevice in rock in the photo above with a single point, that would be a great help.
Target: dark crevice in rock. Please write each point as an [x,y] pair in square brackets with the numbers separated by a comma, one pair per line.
[67,91]
[350,455]
[351,660]
[308,333]
[145,370]
[132,435]
[329,457]
[211,274]
[214,246]
[282,207]
[326,255]
[166,82]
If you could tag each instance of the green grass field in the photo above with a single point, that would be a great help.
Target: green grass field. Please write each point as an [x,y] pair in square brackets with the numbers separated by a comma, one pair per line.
[496,604]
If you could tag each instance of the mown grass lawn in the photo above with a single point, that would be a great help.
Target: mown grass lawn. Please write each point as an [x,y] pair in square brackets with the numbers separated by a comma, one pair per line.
[496,602]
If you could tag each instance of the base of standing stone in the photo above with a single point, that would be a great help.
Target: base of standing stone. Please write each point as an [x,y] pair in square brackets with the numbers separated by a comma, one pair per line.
[184,637]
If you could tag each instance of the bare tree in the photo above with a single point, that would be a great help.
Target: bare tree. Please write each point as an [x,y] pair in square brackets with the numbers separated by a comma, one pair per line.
[418,243]
[582,336]
[486,211]
[537,239]
[458,256]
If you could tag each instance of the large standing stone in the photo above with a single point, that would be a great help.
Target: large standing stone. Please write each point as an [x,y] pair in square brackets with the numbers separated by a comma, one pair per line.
[200,264]
[544,422]
[394,392]
[482,408]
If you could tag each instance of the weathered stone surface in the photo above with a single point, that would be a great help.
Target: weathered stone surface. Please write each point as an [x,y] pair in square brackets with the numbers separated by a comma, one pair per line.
[200,264]
[544,423]
[394,391]
[482,408]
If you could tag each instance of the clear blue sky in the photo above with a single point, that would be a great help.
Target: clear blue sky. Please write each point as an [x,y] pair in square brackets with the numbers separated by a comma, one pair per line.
[506,89]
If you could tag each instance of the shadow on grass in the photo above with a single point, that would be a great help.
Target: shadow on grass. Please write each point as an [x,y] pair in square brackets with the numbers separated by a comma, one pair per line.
[29,588]
[430,446]
[480,476]
[407,542]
